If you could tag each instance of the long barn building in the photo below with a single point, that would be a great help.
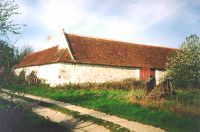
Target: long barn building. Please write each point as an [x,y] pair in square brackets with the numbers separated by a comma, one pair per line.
[80,59]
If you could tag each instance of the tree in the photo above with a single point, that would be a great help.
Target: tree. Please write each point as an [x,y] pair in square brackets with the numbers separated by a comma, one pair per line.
[184,65]
[7,54]
[8,9]
[10,56]
[7,59]
[22,52]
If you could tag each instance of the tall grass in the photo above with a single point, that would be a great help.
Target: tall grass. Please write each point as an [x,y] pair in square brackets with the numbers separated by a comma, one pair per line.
[127,84]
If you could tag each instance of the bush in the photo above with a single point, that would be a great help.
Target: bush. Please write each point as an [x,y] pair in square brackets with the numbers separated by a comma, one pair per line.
[184,65]
[9,78]
[21,78]
[33,79]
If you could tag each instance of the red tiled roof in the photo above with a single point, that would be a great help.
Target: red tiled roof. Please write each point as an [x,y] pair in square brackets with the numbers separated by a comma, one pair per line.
[51,55]
[89,50]
[109,52]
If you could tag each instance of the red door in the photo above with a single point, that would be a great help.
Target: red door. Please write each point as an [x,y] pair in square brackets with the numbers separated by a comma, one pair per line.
[144,73]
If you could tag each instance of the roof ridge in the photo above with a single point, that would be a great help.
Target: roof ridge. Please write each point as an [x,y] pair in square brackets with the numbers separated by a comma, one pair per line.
[120,41]
[60,56]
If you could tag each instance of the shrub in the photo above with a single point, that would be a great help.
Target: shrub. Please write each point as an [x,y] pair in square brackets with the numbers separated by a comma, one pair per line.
[9,78]
[21,78]
[184,65]
[33,79]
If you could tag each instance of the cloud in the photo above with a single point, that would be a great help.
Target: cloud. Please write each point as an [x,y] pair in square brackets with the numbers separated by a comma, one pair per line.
[61,13]
[116,19]
[147,13]
[135,17]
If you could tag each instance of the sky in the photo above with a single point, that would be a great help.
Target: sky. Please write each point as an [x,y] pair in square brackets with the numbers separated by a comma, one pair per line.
[152,22]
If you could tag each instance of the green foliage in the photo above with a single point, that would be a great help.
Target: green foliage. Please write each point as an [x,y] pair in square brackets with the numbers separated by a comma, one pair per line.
[21,78]
[22,52]
[12,55]
[7,59]
[7,54]
[184,65]
[8,78]
[136,95]
[12,79]
[8,9]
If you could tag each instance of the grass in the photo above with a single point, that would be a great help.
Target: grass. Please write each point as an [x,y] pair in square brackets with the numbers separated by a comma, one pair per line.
[116,102]
[186,102]
[127,84]
[14,118]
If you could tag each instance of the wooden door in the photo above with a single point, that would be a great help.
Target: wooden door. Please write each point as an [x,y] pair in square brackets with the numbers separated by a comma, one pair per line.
[144,73]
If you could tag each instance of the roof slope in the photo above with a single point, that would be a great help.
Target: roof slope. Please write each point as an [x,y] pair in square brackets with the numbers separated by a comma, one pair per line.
[48,56]
[110,52]
[89,50]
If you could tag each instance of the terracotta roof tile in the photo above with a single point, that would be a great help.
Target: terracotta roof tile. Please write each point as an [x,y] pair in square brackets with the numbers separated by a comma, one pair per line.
[110,52]
[51,55]
[89,50]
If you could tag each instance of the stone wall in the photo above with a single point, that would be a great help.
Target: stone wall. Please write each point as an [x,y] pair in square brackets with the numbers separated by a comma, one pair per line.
[64,73]
[159,75]
[81,73]
[49,73]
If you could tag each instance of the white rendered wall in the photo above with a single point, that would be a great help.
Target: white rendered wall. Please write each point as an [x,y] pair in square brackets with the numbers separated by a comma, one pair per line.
[64,73]
[47,72]
[159,75]
[81,73]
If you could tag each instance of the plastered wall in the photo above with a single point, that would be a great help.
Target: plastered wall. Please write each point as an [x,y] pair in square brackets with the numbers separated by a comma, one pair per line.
[64,73]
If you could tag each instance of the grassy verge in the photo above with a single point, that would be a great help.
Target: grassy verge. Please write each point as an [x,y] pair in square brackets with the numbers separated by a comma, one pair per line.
[14,118]
[115,102]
